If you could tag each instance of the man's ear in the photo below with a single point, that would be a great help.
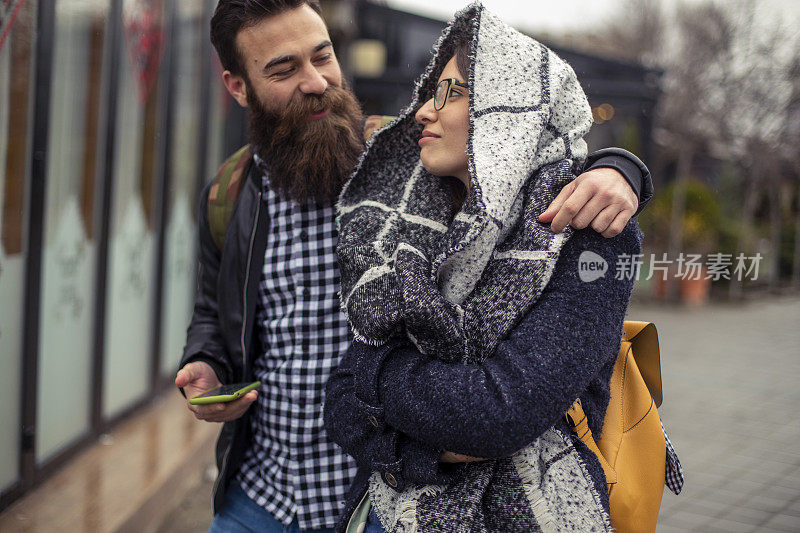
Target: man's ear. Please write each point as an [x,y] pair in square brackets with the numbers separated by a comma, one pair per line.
[236,87]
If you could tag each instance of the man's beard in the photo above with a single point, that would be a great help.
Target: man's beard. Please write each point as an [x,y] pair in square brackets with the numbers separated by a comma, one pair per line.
[308,159]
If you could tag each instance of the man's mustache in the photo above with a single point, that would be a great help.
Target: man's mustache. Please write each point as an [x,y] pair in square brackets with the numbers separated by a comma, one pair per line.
[302,106]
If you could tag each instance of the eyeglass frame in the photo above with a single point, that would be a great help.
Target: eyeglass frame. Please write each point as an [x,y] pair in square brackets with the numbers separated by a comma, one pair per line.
[450,82]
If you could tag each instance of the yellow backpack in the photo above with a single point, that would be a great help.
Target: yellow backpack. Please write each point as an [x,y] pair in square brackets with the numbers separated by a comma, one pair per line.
[632,449]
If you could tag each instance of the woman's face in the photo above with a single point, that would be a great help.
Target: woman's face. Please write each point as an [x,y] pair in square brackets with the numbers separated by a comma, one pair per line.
[444,138]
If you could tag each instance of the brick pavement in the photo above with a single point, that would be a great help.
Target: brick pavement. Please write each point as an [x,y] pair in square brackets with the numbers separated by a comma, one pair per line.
[731,397]
[731,394]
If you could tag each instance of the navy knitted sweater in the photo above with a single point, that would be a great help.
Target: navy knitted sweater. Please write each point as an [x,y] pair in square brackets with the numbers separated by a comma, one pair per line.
[396,411]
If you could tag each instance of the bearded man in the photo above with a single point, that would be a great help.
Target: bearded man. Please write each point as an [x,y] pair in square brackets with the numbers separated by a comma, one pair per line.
[267,306]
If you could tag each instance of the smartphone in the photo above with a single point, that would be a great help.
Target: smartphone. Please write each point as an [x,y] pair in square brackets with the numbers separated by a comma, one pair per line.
[224,393]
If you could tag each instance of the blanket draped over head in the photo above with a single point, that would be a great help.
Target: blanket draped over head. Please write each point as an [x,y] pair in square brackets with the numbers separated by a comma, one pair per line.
[456,284]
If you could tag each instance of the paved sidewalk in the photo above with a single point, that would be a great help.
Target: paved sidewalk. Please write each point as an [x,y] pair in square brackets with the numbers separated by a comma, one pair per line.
[731,398]
[731,376]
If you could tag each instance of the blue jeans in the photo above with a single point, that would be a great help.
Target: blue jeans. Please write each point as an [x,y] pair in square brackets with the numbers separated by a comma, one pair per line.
[240,514]
[373,523]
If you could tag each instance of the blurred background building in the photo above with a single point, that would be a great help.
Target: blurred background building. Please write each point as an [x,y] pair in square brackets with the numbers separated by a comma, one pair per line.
[113,116]
[109,123]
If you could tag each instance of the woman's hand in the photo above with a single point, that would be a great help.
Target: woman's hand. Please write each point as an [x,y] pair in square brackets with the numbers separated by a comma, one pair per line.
[451,457]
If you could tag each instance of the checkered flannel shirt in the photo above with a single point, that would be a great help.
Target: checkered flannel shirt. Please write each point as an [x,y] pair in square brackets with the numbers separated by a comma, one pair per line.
[291,468]
[673,474]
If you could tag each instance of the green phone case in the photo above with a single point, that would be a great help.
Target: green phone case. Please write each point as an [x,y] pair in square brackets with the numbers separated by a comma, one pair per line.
[203,400]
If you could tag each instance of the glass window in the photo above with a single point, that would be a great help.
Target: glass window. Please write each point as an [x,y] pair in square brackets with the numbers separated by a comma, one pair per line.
[220,105]
[179,247]
[129,294]
[15,72]
[69,248]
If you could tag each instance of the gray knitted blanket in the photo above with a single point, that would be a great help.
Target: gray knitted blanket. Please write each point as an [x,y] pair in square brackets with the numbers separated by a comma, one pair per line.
[456,284]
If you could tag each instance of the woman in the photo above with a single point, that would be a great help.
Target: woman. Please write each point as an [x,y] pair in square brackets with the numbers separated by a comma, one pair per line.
[474,331]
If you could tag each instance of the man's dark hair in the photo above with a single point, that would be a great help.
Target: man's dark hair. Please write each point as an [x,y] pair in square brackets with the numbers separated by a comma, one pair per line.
[232,16]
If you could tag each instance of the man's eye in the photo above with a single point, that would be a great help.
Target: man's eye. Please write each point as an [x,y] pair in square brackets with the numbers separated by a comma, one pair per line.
[283,72]
[453,93]
[324,59]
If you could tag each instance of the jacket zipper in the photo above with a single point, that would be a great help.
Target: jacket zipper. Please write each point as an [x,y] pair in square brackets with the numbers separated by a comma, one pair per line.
[246,281]
[244,321]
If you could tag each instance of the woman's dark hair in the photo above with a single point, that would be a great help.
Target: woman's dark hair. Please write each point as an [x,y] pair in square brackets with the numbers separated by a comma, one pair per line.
[458,191]
[232,16]
[463,62]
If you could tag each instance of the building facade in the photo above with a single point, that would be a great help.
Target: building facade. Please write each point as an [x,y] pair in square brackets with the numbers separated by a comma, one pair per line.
[109,124]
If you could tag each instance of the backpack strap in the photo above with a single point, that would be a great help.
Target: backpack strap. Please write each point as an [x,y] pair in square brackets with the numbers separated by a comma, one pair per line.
[577,420]
[375,122]
[644,338]
[225,191]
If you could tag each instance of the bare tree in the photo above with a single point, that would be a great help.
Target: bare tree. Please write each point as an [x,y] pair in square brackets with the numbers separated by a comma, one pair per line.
[727,89]
[689,116]
[791,154]
[752,100]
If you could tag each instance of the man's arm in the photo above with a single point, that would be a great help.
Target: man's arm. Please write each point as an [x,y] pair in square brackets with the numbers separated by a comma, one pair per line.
[205,363]
[203,337]
[614,186]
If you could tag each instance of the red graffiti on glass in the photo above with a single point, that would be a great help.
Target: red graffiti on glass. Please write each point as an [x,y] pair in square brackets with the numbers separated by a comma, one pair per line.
[144,32]
[9,9]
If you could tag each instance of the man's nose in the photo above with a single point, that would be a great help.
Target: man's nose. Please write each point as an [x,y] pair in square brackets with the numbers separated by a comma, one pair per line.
[313,81]
[426,114]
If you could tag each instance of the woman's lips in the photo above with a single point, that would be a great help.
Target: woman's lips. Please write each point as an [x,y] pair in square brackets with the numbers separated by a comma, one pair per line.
[321,114]
[427,136]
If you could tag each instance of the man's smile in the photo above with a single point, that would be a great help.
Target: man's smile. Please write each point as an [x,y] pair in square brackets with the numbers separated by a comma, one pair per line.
[320,114]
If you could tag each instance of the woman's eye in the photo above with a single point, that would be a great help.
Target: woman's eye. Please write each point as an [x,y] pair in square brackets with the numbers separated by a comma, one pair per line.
[453,93]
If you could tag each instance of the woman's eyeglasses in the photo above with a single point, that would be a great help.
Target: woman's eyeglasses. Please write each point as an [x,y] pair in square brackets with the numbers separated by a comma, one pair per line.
[443,91]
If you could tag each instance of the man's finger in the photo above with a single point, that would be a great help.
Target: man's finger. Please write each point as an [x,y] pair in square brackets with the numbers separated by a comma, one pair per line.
[616,227]
[227,414]
[557,202]
[224,411]
[199,374]
[244,401]
[184,376]
[190,372]
[604,218]
[579,197]
[207,412]
[589,212]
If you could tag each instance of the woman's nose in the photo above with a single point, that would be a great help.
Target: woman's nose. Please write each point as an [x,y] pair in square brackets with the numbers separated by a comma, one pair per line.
[426,114]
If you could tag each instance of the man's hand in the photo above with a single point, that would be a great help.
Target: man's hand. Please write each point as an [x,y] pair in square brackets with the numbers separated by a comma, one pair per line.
[601,198]
[452,457]
[198,377]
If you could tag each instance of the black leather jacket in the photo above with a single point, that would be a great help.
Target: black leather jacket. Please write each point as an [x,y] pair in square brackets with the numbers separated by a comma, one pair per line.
[221,332]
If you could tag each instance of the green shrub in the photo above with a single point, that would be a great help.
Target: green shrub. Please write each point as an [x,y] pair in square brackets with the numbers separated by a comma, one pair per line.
[702,220]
